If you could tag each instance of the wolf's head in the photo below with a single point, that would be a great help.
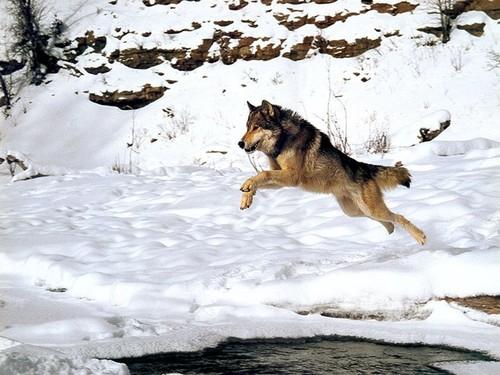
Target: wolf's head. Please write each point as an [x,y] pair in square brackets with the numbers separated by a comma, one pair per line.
[263,128]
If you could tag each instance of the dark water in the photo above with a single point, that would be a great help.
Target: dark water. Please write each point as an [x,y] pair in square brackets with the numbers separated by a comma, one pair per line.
[307,356]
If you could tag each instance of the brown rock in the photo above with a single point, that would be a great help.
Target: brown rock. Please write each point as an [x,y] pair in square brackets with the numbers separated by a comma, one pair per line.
[98,70]
[229,52]
[300,50]
[487,304]
[223,23]
[427,134]
[321,22]
[237,4]
[150,3]
[292,24]
[140,58]
[296,2]
[267,52]
[194,26]
[327,21]
[434,30]
[392,33]
[393,9]
[251,23]
[476,29]
[341,48]
[129,99]
[90,40]
[490,7]
[196,57]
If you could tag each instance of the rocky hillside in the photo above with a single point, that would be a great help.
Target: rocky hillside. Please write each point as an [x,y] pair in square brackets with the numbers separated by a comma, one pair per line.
[188,34]
[177,63]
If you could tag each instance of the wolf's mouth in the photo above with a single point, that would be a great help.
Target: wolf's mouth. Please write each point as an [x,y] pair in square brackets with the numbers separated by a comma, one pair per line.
[252,149]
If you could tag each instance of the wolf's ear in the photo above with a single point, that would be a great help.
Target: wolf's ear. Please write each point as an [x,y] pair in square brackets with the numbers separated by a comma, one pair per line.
[269,109]
[251,107]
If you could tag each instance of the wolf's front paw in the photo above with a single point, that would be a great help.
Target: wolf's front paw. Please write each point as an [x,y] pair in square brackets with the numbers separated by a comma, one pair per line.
[248,186]
[246,200]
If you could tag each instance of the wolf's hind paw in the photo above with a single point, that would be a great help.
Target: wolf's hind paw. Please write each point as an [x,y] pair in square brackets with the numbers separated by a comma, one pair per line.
[420,237]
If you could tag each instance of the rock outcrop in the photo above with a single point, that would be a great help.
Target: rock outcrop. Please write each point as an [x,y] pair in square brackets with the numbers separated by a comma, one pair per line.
[476,29]
[227,44]
[490,7]
[233,35]
[129,99]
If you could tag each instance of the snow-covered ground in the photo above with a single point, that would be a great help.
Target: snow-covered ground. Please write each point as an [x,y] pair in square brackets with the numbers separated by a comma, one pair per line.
[109,265]
[95,264]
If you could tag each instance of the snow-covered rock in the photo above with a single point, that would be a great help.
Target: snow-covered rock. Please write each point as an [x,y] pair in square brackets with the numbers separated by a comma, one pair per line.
[31,360]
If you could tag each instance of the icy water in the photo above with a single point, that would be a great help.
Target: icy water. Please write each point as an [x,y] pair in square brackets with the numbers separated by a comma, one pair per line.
[310,356]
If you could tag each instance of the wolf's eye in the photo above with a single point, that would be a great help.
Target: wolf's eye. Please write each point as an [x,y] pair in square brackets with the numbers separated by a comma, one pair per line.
[266,125]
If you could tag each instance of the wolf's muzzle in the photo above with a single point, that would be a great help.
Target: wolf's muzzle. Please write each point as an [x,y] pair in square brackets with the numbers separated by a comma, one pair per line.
[241,144]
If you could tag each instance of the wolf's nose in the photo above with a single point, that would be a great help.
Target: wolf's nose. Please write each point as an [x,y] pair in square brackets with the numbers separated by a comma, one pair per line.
[241,144]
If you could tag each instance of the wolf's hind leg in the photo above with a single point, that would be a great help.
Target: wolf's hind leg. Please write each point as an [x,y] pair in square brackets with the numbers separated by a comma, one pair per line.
[372,204]
[388,226]
[351,209]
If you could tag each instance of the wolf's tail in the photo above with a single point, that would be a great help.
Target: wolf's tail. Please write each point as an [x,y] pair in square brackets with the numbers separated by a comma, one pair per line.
[390,177]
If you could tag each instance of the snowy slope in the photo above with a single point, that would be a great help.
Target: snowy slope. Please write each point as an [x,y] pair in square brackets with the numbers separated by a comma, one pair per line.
[95,264]
[390,88]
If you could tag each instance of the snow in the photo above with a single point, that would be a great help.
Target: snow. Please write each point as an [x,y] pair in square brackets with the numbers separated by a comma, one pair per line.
[472,17]
[30,360]
[32,169]
[408,135]
[169,262]
[470,367]
[96,264]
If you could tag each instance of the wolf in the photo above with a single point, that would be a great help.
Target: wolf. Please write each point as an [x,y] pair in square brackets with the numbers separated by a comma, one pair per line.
[301,155]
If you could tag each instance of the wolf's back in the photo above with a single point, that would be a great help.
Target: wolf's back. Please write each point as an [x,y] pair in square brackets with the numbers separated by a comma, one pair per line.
[390,177]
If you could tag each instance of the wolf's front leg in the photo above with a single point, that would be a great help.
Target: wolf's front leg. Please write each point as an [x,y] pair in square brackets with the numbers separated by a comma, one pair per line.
[249,188]
[266,180]
[246,200]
